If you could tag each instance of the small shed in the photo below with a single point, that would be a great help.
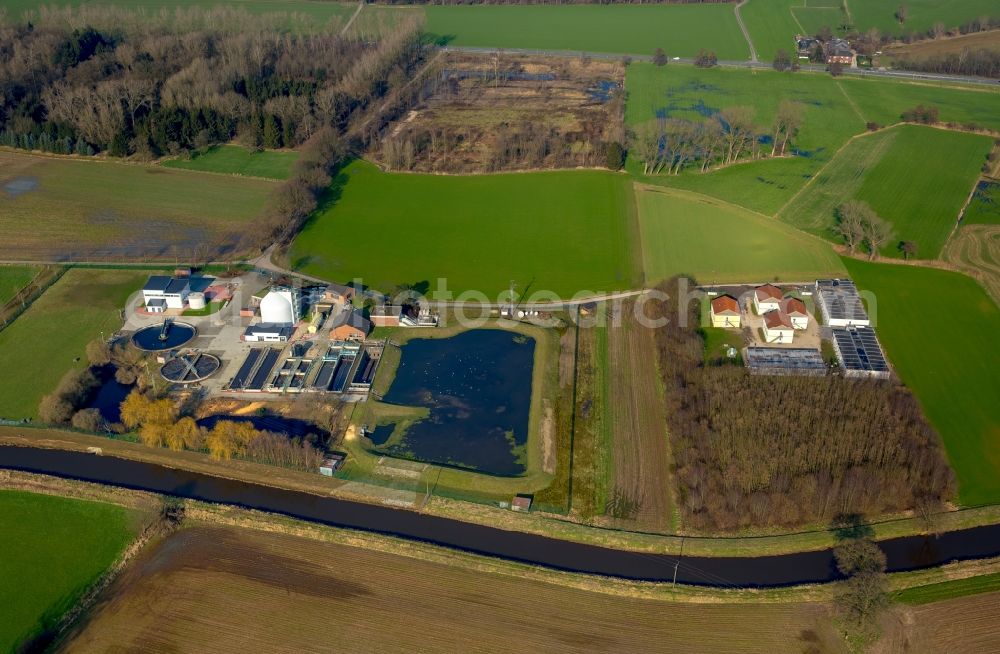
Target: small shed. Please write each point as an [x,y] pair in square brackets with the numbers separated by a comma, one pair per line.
[331,465]
[521,503]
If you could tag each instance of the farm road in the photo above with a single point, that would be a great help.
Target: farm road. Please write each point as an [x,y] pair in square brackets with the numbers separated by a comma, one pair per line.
[746,32]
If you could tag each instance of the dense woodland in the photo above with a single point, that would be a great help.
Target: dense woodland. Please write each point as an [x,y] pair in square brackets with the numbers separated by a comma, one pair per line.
[789,450]
[89,81]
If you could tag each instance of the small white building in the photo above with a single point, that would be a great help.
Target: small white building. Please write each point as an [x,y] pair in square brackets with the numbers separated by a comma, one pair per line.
[795,309]
[280,306]
[268,333]
[778,328]
[767,298]
[162,292]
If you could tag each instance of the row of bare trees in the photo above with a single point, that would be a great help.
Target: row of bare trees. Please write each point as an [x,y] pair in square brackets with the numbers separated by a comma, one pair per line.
[788,450]
[669,145]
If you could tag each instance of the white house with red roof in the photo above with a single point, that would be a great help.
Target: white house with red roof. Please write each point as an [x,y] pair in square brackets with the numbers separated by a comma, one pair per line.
[767,298]
[778,327]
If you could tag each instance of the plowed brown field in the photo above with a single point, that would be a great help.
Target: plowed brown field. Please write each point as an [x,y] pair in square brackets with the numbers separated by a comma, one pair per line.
[225,589]
[641,485]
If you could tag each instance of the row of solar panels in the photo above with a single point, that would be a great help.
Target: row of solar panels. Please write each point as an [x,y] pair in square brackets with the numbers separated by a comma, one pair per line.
[858,349]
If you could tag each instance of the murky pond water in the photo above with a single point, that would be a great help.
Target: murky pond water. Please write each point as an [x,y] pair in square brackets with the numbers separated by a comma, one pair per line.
[477,386]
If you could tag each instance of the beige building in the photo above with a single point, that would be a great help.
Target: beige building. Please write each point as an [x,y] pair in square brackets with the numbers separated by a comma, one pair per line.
[778,327]
[795,309]
[767,298]
[725,312]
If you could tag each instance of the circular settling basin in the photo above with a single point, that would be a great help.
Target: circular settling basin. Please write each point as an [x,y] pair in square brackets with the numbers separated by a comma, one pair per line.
[165,336]
[190,367]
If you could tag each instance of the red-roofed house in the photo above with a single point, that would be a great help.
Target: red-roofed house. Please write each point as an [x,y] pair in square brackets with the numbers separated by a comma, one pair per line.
[767,298]
[778,327]
[725,311]
[795,309]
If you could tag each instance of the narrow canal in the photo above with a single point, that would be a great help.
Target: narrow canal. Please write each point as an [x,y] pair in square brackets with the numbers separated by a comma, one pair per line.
[763,571]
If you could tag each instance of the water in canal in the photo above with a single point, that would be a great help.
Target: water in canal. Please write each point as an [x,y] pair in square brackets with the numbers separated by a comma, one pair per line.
[477,386]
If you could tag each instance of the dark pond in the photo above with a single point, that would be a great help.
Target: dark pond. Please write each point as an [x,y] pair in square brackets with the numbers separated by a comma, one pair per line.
[109,395]
[477,386]
[277,424]
[381,434]
[164,336]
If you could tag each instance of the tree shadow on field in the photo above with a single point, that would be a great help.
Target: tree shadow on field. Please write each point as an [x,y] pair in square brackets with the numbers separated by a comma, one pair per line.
[331,195]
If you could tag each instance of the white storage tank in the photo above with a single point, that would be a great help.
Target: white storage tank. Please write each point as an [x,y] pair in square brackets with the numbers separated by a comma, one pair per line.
[279,307]
[196,300]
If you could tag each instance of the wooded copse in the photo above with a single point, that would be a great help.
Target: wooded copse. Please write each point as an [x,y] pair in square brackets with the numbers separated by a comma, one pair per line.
[669,145]
[159,424]
[127,83]
[786,451]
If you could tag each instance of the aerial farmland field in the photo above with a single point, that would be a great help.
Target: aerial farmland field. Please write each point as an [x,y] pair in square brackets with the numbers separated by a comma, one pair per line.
[235,160]
[921,14]
[835,110]
[13,279]
[562,232]
[320,12]
[66,209]
[891,171]
[680,29]
[53,548]
[716,242]
[947,355]
[279,592]
[58,326]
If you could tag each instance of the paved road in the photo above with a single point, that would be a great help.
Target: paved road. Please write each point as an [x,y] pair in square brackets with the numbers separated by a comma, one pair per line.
[852,72]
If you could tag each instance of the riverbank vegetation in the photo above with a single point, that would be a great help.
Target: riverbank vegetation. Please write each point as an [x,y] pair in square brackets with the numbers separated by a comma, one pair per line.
[759,454]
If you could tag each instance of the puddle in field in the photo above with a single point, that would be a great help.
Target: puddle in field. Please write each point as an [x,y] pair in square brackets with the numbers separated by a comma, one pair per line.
[20,186]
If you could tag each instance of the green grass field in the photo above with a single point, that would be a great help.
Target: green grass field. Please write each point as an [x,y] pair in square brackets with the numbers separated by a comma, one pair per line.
[949,590]
[681,30]
[893,171]
[53,548]
[318,11]
[835,110]
[922,14]
[234,160]
[984,208]
[563,232]
[13,279]
[49,338]
[86,209]
[945,351]
[772,26]
[715,242]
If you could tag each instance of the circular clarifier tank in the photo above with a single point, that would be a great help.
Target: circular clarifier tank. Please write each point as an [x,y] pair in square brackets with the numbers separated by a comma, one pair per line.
[165,336]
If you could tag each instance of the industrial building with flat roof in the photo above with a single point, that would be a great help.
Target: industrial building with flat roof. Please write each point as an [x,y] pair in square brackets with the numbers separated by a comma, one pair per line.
[785,361]
[859,352]
[840,303]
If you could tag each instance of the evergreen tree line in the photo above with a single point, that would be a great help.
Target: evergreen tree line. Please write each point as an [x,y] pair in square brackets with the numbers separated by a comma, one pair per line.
[783,451]
[127,86]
